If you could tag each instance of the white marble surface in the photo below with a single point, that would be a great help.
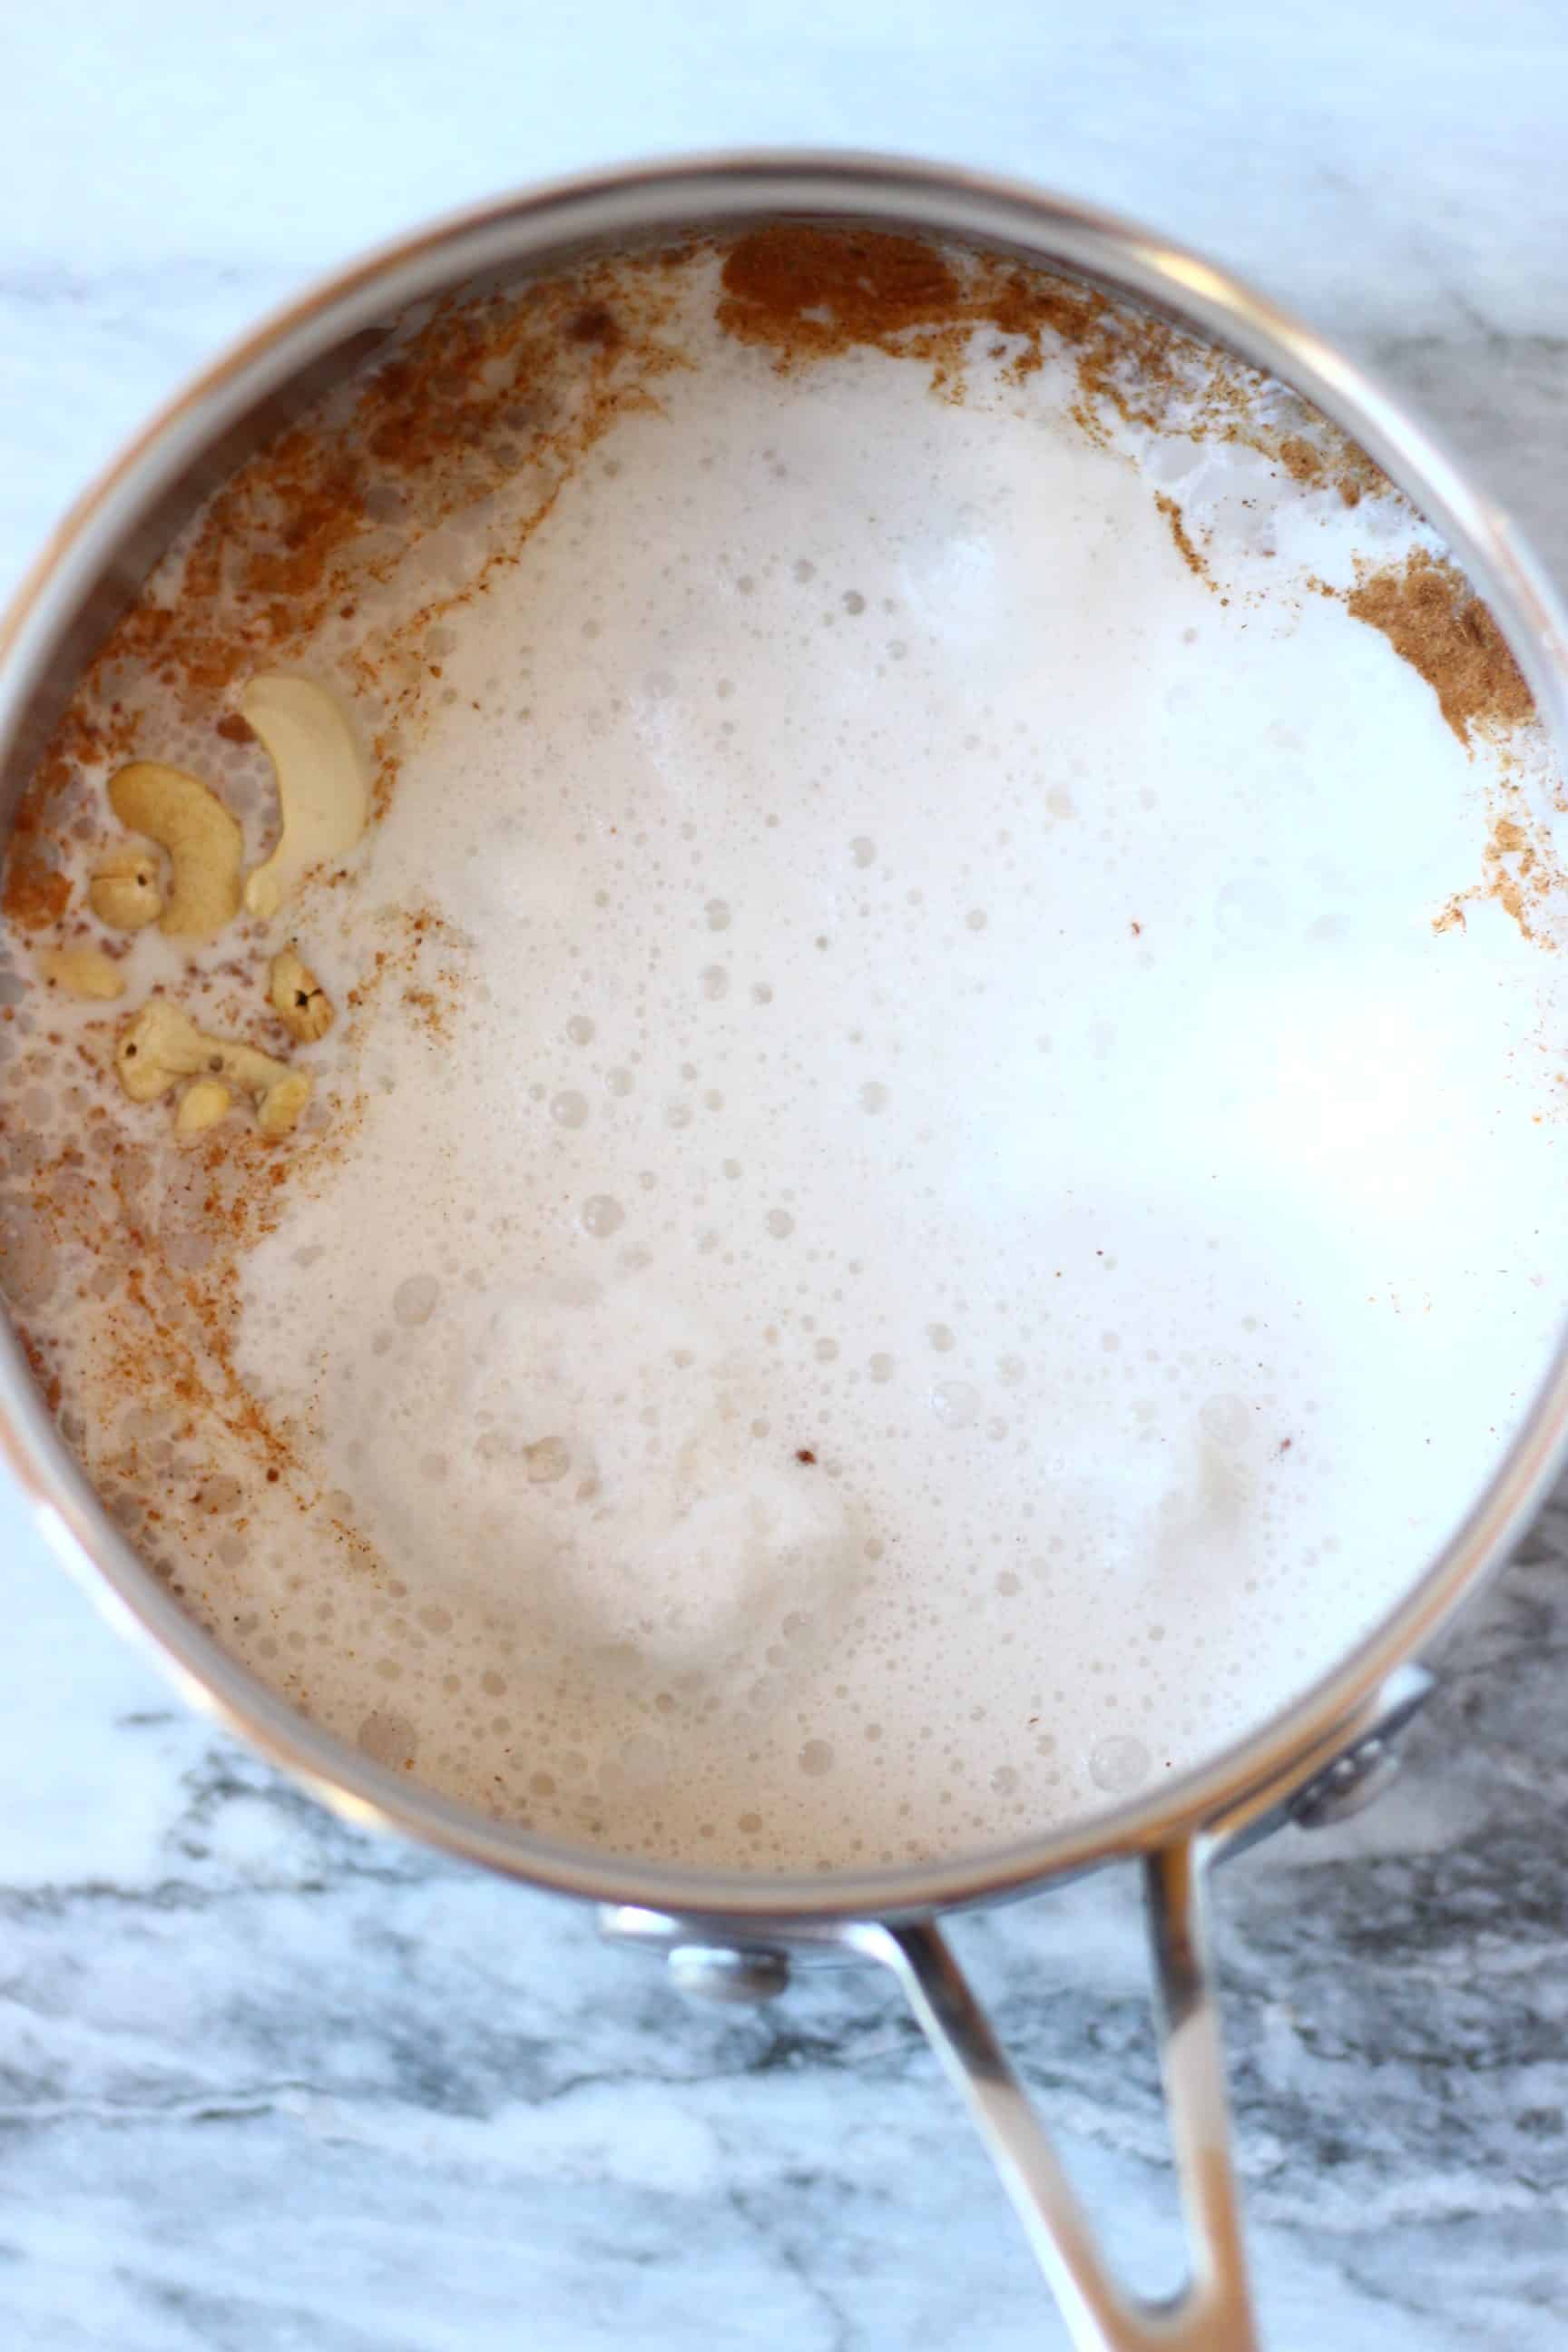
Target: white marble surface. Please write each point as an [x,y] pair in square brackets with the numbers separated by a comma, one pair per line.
[264,2087]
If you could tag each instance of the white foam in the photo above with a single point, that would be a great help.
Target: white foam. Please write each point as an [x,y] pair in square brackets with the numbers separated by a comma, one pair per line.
[963,1235]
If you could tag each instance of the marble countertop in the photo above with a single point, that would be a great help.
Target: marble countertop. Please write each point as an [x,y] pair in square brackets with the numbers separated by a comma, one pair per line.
[267,2088]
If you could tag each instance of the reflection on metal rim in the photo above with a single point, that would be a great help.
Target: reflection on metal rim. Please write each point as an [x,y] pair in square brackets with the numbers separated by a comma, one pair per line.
[537,230]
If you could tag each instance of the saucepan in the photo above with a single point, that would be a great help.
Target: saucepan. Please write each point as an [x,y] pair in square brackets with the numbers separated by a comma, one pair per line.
[735,1937]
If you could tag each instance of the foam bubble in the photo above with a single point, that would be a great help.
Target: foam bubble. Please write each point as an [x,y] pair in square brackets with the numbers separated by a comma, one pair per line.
[955,1404]
[414,1300]
[1118,1765]
[1226,1420]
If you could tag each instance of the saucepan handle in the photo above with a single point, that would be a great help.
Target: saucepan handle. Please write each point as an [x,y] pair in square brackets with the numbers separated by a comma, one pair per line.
[1341,1770]
[1213,2311]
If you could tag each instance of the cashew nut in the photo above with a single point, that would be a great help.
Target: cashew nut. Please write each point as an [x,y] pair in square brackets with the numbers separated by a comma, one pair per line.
[203,839]
[246,1065]
[324,789]
[82,971]
[160,1046]
[300,1001]
[126,892]
[163,1045]
[280,1108]
[205,1102]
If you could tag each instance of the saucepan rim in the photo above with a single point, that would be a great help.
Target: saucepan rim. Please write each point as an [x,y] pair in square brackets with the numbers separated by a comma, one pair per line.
[541,226]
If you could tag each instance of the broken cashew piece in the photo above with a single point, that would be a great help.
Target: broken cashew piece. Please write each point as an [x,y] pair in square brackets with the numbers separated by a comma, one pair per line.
[126,890]
[297,998]
[205,1104]
[277,1112]
[163,1045]
[82,971]
[203,839]
[324,788]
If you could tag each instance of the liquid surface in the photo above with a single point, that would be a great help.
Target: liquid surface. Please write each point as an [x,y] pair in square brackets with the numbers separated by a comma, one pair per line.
[931,1206]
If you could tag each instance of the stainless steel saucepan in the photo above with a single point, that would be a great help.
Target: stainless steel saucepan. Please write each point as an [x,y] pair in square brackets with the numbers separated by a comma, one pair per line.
[730,1936]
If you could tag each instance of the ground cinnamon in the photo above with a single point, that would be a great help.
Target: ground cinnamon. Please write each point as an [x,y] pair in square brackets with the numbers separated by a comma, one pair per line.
[1182,537]
[1431,616]
[817,290]
[35,894]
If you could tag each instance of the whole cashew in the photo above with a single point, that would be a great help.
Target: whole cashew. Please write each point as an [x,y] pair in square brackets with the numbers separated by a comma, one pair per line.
[323,789]
[203,839]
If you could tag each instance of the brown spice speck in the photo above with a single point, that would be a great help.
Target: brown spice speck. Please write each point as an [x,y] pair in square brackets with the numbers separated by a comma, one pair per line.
[1301,460]
[35,895]
[1348,469]
[46,1380]
[596,324]
[1189,554]
[817,290]
[1433,619]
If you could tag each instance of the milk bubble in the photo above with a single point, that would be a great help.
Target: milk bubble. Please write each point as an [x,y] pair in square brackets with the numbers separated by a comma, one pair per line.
[414,1301]
[955,1404]
[1118,1765]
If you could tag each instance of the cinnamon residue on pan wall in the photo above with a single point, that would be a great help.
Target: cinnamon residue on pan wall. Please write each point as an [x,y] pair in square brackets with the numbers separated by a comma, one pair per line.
[327,507]
[1301,461]
[1520,870]
[1343,467]
[807,292]
[1434,619]
[817,290]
